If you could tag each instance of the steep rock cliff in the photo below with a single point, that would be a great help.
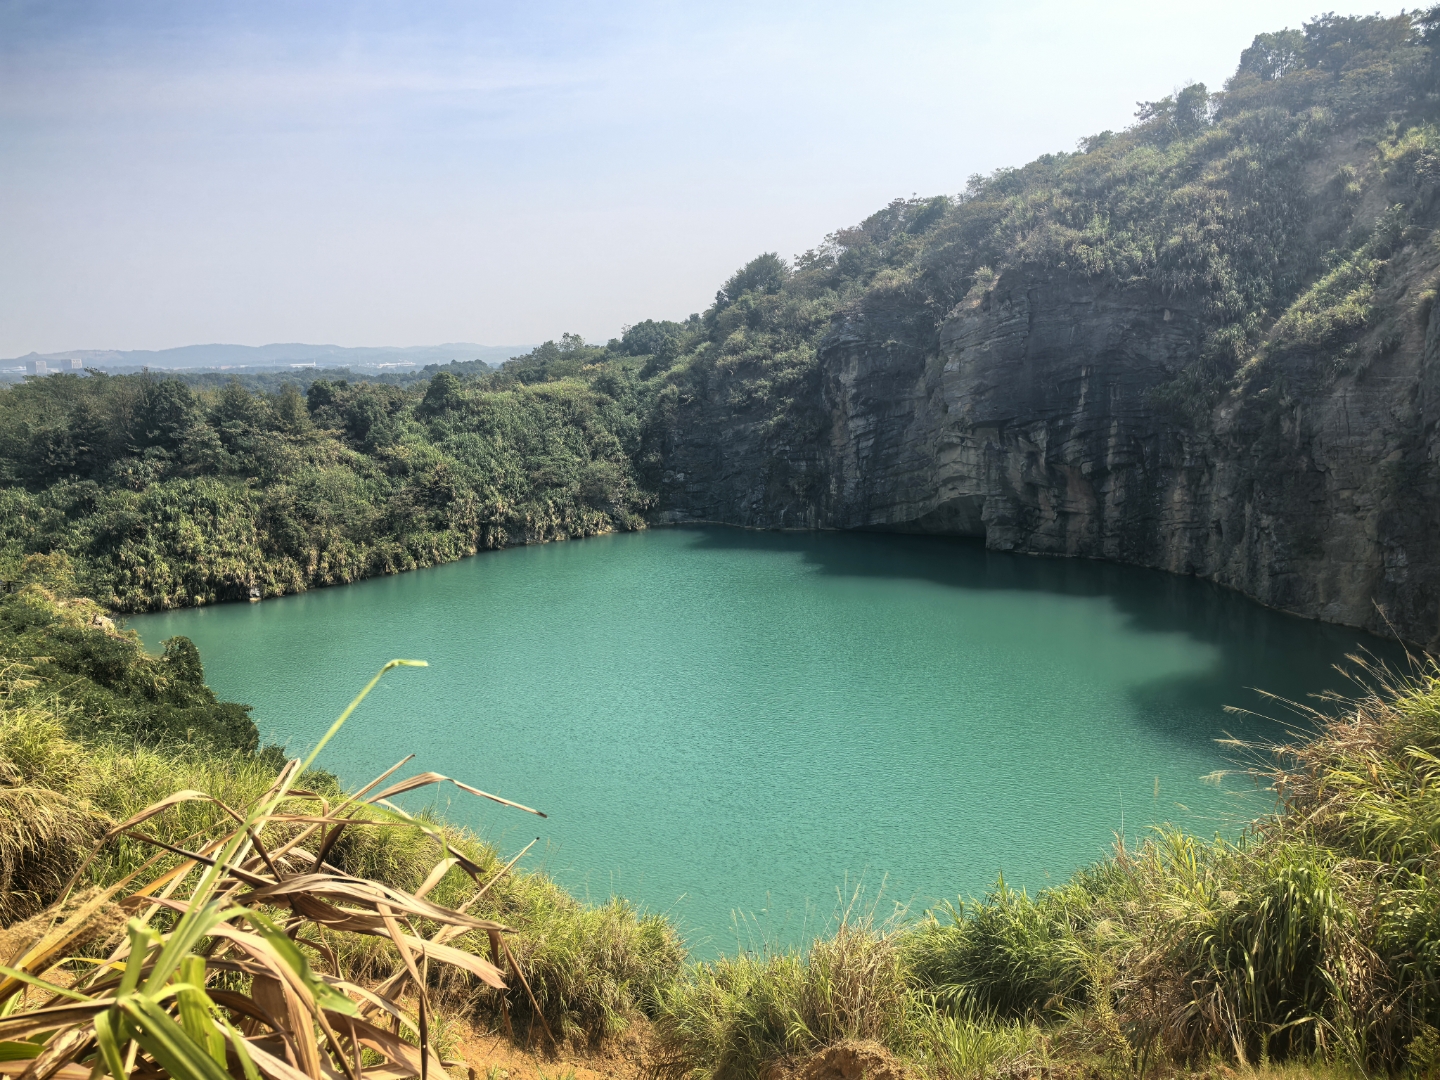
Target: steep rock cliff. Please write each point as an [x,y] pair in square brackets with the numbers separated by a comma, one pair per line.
[1204,344]
[1035,416]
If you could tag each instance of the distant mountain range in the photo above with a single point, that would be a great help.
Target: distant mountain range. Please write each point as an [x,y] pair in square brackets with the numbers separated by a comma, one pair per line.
[258,356]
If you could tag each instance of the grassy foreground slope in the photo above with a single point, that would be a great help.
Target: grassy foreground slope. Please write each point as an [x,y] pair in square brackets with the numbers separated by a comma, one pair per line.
[1314,937]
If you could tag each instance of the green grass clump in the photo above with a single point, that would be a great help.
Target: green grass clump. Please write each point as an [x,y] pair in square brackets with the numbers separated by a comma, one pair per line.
[731,1017]
[734,1018]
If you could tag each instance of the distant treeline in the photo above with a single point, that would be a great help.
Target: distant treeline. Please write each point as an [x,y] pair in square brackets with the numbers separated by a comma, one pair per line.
[164,494]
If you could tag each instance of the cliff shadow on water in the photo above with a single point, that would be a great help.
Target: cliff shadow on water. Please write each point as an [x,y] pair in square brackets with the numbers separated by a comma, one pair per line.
[1257,651]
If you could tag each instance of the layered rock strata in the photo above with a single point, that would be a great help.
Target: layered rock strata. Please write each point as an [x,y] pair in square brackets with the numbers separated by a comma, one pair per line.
[1042,416]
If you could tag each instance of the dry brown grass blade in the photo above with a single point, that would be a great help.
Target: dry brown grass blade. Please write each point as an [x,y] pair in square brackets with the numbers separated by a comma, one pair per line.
[539,1013]
[168,881]
[446,933]
[301,1032]
[58,941]
[263,854]
[268,996]
[389,1072]
[282,783]
[446,954]
[24,1025]
[295,1002]
[421,991]
[274,1067]
[384,992]
[163,805]
[242,1005]
[330,819]
[79,873]
[437,873]
[284,850]
[65,1072]
[319,911]
[328,840]
[242,874]
[380,1002]
[496,959]
[59,1053]
[347,1066]
[304,834]
[371,894]
[402,946]
[359,796]
[264,954]
[387,1043]
[424,779]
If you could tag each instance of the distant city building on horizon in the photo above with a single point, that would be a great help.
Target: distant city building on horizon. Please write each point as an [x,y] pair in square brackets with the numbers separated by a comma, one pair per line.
[50,367]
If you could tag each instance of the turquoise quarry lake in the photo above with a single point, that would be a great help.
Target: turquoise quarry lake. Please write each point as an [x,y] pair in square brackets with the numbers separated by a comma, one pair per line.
[737,728]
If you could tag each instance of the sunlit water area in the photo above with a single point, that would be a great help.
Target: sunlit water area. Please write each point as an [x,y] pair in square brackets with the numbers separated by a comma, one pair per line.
[742,728]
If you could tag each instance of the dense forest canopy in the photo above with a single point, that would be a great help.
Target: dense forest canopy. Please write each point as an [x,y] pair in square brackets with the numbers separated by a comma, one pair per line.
[167,496]
[167,491]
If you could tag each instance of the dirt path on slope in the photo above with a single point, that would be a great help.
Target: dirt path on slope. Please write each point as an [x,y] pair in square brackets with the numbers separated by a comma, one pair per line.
[491,1056]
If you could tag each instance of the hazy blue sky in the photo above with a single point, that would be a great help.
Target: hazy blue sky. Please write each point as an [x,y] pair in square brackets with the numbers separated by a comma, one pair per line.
[413,173]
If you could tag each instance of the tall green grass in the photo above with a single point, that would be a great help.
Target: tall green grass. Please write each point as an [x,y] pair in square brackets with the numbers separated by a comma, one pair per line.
[735,1018]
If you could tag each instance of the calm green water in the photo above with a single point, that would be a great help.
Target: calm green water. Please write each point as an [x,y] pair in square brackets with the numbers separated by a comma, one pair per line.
[738,727]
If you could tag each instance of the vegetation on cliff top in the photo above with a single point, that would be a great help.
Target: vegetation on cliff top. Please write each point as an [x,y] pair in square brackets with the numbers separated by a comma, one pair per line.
[1273,212]
[1283,214]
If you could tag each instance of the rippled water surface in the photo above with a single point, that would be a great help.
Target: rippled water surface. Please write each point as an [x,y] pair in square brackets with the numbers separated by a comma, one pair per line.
[738,727]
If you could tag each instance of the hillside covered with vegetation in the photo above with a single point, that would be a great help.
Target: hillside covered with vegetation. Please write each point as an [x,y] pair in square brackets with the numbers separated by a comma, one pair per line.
[63,651]
[1314,937]
[1211,200]
[165,496]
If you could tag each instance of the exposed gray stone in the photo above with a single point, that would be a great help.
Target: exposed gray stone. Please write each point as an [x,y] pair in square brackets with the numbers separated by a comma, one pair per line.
[1028,418]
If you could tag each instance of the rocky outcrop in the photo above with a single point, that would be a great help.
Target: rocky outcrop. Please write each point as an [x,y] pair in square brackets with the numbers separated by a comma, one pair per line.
[1043,416]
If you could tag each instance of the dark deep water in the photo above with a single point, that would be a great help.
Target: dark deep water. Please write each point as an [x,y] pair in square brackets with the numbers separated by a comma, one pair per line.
[738,727]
